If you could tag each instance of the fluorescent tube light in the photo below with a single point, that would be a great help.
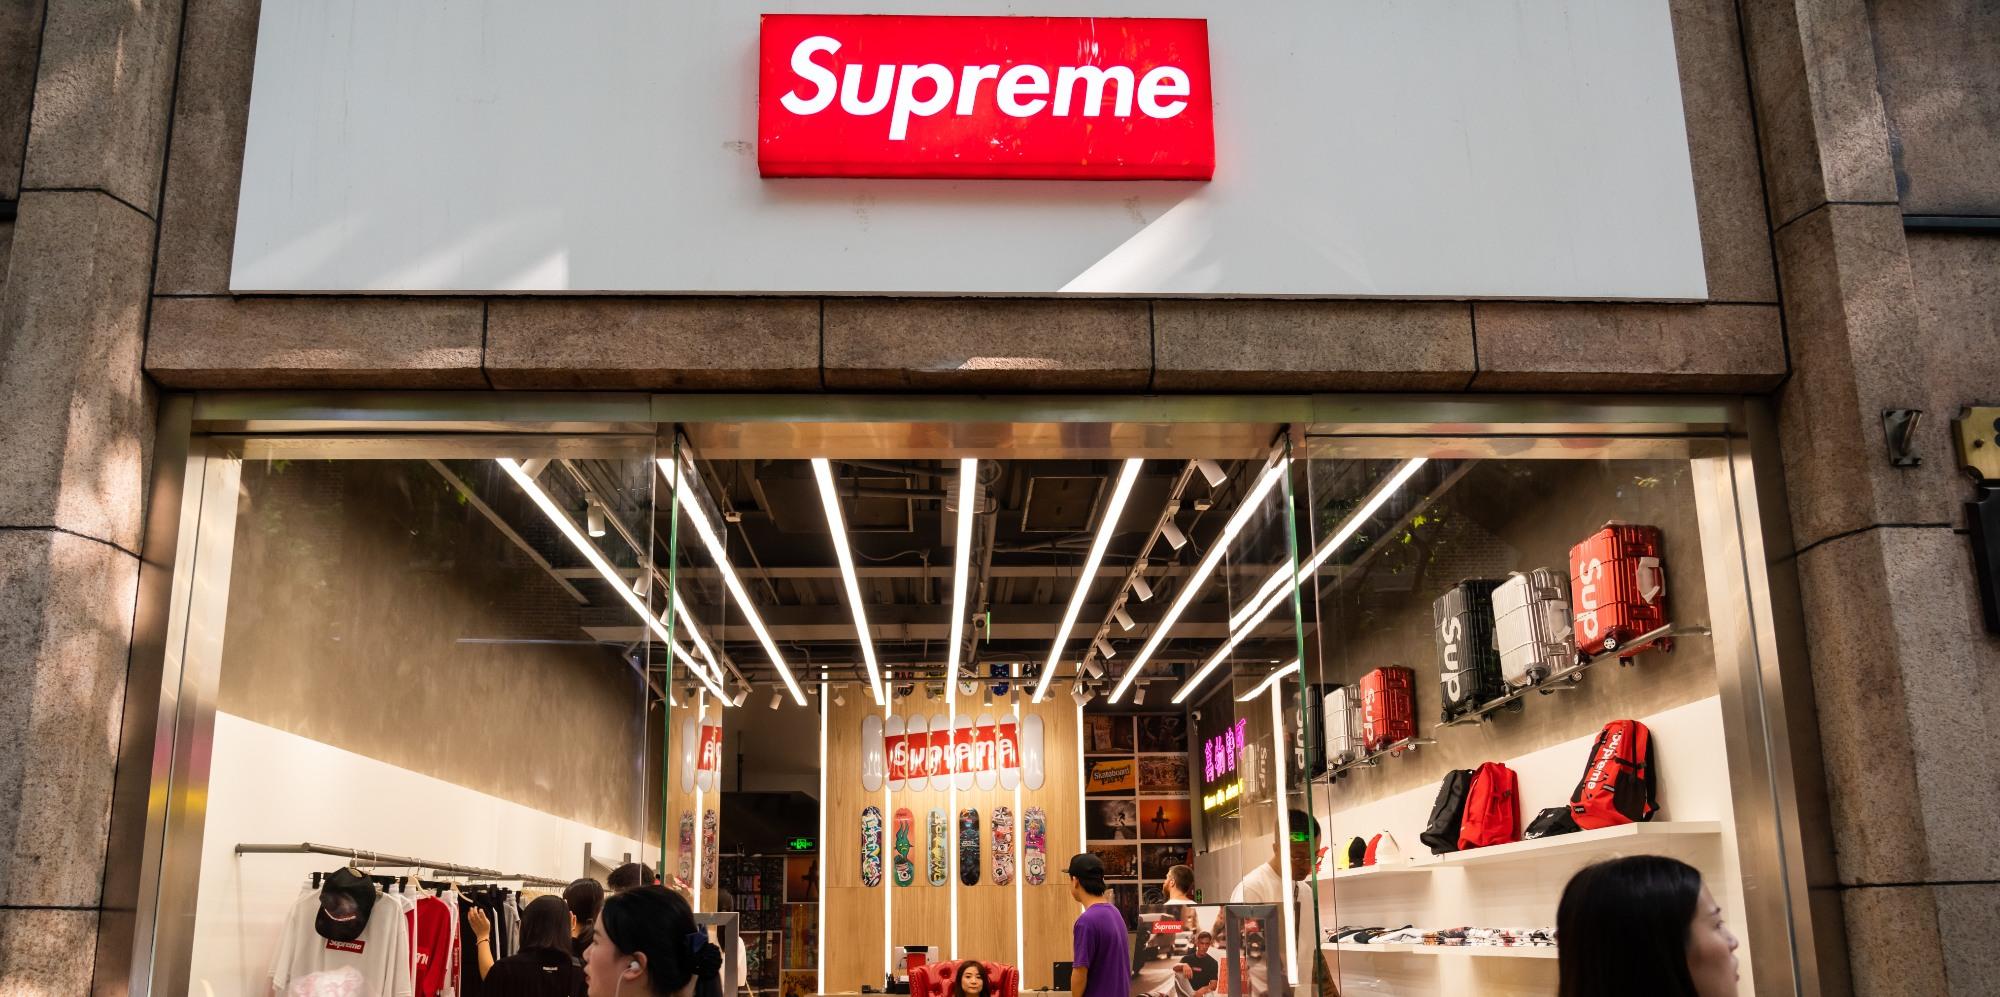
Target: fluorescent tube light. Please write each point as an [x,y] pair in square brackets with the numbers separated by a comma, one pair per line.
[1105,530]
[1207,567]
[1369,507]
[1270,680]
[962,567]
[836,527]
[713,542]
[597,560]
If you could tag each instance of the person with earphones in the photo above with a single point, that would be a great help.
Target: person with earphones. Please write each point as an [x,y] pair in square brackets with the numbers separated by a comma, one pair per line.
[647,940]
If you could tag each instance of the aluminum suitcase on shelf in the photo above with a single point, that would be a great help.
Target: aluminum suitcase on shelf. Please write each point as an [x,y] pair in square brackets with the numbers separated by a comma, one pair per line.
[1469,663]
[1618,587]
[1531,626]
[1341,716]
[1388,707]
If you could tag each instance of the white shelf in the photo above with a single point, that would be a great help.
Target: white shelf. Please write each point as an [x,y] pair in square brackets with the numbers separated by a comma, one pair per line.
[1443,951]
[1603,839]
[1399,869]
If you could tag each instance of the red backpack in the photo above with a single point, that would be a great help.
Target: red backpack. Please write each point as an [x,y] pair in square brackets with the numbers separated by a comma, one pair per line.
[1619,780]
[1492,808]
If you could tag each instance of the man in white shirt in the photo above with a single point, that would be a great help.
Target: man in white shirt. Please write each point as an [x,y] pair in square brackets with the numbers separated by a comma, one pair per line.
[1266,885]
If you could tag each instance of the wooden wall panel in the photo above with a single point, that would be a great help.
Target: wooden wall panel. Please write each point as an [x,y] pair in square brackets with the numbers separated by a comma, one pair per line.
[921,914]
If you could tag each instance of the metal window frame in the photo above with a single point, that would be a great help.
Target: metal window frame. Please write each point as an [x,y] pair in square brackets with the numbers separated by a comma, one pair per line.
[1784,837]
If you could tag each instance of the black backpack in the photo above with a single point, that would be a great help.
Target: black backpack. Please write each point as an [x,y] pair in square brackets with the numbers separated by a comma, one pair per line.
[1441,832]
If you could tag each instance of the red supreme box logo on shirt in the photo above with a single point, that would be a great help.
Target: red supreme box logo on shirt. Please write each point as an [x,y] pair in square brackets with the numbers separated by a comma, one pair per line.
[862,95]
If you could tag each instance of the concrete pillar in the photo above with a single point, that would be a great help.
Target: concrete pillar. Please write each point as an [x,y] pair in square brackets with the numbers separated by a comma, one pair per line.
[76,423]
[1885,583]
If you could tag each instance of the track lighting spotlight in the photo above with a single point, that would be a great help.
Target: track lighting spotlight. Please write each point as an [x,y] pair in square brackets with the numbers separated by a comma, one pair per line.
[1139,695]
[742,696]
[1092,668]
[1080,694]
[1104,648]
[1212,472]
[1141,589]
[776,698]
[1124,618]
[593,518]
[1172,535]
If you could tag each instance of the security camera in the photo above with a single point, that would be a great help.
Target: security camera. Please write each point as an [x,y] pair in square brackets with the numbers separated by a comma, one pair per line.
[1196,714]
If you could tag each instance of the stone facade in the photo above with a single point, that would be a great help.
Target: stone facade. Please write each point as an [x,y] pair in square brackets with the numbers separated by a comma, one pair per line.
[1815,129]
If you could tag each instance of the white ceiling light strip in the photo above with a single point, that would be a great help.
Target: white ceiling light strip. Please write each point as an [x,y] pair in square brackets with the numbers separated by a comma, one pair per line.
[968,470]
[716,550]
[596,558]
[1207,567]
[1105,530]
[1274,591]
[694,633]
[836,527]
[1369,507]
[1269,681]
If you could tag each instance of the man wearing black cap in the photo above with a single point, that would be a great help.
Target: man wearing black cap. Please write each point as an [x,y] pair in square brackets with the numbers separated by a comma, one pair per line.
[1102,966]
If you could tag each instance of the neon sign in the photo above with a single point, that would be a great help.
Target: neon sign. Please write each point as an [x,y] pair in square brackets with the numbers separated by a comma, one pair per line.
[1219,754]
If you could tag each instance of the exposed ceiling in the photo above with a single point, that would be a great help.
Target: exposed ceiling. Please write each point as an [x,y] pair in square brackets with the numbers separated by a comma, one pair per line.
[1034,526]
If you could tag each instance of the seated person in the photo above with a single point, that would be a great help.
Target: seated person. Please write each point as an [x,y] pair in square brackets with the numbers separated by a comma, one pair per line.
[970,980]
[1202,970]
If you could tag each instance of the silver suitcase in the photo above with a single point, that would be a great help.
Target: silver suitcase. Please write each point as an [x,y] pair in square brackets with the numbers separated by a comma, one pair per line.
[1531,625]
[1343,727]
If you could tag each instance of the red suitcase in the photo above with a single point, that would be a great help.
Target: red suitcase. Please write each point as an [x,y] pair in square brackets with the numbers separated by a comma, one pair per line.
[1388,714]
[1619,589]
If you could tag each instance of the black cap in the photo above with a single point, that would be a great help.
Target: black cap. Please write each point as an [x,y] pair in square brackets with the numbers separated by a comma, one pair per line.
[1086,866]
[344,904]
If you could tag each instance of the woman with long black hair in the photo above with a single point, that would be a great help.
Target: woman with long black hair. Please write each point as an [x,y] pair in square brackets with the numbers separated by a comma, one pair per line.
[647,945]
[1643,926]
[585,898]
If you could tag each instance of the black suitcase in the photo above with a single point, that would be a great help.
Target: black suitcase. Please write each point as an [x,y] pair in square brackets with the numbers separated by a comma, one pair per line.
[1469,660]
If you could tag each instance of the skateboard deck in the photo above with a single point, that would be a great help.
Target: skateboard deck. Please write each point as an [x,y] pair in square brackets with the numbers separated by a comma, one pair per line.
[686,865]
[1034,860]
[1003,845]
[968,846]
[871,846]
[906,871]
[709,821]
[940,849]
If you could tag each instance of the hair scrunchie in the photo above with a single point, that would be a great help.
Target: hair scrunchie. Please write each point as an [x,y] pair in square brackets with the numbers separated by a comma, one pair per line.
[706,957]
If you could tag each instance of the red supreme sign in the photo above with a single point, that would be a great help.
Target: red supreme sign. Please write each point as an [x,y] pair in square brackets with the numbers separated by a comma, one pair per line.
[1073,98]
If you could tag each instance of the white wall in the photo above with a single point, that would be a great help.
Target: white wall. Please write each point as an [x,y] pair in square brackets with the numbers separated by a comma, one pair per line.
[1405,148]
[1693,786]
[268,786]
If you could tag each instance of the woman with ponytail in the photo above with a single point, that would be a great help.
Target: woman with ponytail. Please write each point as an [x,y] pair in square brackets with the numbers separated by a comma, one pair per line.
[585,898]
[647,945]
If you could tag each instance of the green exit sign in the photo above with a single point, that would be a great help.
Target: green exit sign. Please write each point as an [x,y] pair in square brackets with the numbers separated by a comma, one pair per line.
[800,844]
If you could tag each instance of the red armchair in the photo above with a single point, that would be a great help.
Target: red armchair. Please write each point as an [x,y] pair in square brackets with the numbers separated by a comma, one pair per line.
[934,979]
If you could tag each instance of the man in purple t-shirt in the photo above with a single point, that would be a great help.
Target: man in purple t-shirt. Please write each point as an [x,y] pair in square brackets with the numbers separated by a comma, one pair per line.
[1102,960]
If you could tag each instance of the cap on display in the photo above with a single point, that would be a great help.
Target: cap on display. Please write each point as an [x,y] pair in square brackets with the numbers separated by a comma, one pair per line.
[344,903]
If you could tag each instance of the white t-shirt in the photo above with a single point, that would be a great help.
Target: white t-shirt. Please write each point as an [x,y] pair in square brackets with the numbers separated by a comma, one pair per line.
[1263,886]
[377,964]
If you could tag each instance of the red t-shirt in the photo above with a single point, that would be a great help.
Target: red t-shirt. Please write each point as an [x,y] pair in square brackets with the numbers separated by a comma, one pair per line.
[433,945]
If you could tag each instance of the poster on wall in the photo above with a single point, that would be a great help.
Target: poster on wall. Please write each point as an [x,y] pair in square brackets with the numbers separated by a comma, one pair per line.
[1165,817]
[1111,820]
[798,983]
[1111,775]
[1163,733]
[1179,942]
[1120,861]
[1163,775]
[1107,734]
[1155,860]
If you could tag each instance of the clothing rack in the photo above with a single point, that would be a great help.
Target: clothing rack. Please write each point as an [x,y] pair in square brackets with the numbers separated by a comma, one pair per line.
[363,856]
